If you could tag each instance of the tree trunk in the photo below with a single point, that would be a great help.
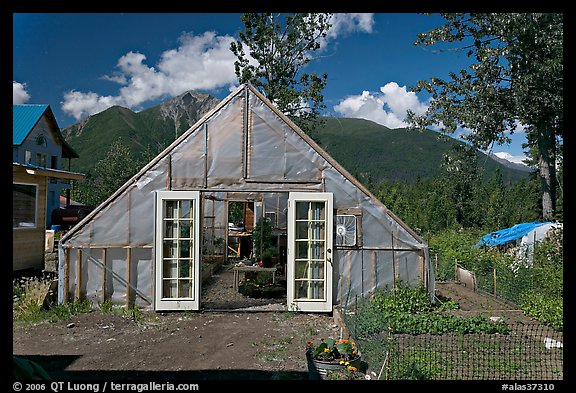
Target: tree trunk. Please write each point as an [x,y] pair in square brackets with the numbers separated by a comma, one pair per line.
[547,171]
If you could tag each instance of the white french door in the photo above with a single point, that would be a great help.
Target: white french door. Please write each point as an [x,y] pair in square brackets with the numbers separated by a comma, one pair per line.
[309,270]
[177,250]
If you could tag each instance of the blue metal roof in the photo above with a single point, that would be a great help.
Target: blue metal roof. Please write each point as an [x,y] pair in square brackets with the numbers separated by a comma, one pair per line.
[24,119]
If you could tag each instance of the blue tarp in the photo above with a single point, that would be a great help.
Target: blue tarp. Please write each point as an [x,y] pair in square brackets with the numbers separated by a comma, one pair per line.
[509,234]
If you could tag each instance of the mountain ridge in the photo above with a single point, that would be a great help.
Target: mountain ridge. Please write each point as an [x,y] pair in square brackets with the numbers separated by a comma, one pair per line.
[369,151]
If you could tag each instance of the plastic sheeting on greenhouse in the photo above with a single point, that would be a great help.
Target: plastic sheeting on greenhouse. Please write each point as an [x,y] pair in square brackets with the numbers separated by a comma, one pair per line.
[244,150]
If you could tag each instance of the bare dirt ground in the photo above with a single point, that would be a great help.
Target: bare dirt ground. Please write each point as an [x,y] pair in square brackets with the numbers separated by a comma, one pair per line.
[480,303]
[233,338]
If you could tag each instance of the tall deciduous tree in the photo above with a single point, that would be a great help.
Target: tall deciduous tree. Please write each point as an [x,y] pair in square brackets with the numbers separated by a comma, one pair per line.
[516,79]
[281,46]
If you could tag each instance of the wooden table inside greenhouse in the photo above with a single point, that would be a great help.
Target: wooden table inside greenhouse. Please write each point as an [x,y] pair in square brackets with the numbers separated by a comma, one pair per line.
[238,269]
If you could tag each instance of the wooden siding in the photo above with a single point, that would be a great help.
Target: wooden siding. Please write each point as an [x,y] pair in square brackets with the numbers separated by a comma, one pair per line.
[28,243]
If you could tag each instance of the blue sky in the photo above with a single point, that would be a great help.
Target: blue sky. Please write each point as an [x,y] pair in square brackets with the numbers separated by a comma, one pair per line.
[81,64]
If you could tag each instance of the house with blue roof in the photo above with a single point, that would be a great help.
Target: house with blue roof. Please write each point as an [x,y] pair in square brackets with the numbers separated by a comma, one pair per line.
[40,174]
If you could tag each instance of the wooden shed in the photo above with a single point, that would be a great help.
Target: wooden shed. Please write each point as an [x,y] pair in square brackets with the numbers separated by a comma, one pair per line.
[29,199]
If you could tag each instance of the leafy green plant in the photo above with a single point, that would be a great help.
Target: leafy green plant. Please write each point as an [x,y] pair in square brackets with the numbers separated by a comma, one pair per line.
[106,306]
[331,349]
[29,295]
[409,310]
[545,308]
[347,372]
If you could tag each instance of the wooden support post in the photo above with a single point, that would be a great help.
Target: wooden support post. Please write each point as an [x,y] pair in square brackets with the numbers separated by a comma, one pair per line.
[129,276]
[373,269]
[78,274]
[456,270]
[348,272]
[393,264]
[494,281]
[66,274]
[103,275]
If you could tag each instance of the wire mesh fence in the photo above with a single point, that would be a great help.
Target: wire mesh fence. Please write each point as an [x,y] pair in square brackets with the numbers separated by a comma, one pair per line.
[526,352]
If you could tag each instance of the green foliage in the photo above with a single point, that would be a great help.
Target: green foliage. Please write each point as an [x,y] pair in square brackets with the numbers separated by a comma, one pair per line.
[262,237]
[282,46]
[545,308]
[28,370]
[409,310]
[63,311]
[330,349]
[109,174]
[398,156]
[536,287]
[517,77]
[29,296]
[106,307]
[235,211]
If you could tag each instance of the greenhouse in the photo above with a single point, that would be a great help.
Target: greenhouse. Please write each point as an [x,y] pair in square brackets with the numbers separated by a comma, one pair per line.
[199,204]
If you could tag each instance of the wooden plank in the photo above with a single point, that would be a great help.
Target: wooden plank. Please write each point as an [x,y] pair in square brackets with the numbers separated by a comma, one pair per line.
[66,274]
[104,275]
[129,276]
[355,211]
[78,274]
[393,263]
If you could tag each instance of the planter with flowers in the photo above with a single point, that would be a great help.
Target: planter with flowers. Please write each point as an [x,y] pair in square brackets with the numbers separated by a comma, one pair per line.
[331,356]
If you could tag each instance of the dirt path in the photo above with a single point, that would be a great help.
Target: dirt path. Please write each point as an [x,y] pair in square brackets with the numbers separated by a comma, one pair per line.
[480,303]
[211,345]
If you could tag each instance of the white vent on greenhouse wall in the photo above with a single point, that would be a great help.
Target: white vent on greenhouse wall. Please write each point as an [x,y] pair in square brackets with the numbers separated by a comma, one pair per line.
[345,230]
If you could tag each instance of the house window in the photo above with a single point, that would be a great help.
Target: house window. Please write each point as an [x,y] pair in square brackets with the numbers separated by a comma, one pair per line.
[54,162]
[24,205]
[28,157]
[41,159]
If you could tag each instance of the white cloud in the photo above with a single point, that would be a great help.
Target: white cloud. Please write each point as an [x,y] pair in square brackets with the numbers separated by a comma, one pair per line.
[388,109]
[19,93]
[78,104]
[350,22]
[343,24]
[202,62]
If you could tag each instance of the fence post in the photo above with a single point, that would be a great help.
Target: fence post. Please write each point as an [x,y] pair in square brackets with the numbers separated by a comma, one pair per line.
[494,281]
[456,270]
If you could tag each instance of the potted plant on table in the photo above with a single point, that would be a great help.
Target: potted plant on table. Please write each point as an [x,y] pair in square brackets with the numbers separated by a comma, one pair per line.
[331,355]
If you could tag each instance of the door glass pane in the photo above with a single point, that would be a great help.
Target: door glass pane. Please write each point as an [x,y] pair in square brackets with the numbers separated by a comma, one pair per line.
[170,249]
[185,271]
[170,288]
[170,230]
[185,289]
[316,231]
[170,208]
[302,210]
[309,270]
[178,247]
[302,230]
[184,249]
[185,209]
[310,250]
[317,211]
[185,229]
[309,290]
[170,268]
